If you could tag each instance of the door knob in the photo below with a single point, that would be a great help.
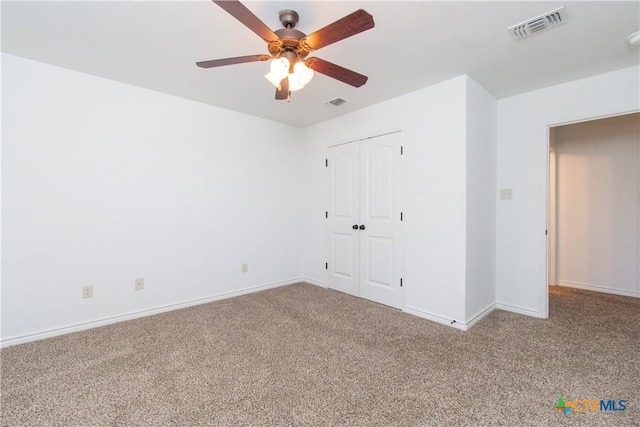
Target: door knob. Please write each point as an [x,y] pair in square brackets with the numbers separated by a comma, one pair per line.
[355,226]
[362,227]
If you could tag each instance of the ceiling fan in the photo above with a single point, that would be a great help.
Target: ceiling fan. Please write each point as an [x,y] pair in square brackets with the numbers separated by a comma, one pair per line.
[289,48]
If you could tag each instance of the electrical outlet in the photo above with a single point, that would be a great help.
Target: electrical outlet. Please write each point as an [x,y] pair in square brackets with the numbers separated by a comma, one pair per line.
[139,284]
[245,268]
[87,291]
[506,194]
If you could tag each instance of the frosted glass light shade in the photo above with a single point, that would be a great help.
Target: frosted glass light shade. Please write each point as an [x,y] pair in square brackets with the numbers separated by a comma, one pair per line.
[280,67]
[273,78]
[279,70]
[305,74]
[294,82]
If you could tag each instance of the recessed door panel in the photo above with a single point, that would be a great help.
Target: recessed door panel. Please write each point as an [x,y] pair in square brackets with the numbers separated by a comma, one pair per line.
[379,252]
[343,185]
[379,184]
[342,261]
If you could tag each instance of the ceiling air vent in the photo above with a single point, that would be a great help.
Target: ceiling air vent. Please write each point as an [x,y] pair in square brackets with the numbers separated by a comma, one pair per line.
[335,102]
[539,23]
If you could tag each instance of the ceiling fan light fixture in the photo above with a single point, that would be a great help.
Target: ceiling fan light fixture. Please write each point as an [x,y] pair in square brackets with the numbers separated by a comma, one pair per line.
[300,77]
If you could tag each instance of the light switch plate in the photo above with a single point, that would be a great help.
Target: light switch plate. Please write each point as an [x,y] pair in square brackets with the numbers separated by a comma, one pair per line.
[506,194]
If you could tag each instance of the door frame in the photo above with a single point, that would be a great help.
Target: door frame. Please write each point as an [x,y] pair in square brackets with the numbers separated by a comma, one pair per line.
[545,160]
[403,244]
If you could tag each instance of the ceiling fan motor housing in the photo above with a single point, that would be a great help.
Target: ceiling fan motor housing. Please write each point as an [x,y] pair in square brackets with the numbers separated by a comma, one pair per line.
[288,45]
[289,42]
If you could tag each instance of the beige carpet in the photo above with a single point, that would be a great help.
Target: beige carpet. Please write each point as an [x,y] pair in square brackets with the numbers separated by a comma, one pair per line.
[303,355]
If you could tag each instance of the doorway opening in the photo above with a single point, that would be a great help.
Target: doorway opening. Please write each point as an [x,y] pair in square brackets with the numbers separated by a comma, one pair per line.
[593,205]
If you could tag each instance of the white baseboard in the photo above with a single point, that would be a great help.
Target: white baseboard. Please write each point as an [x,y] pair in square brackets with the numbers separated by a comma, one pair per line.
[313,282]
[142,313]
[436,318]
[517,309]
[597,288]
[463,326]
[475,319]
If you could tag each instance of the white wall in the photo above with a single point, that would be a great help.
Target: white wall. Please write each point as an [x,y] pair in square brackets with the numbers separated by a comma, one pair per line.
[523,154]
[597,197]
[434,126]
[103,183]
[481,200]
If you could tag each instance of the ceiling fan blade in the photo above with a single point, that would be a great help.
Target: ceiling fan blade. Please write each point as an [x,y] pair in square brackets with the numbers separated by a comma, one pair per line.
[251,21]
[231,61]
[348,26]
[283,92]
[337,72]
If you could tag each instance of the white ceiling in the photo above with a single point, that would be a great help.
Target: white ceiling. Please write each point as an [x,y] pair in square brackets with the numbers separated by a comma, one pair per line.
[155,44]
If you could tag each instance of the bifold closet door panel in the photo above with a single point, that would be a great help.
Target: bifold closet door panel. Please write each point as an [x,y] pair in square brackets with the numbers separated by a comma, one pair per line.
[343,204]
[381,192]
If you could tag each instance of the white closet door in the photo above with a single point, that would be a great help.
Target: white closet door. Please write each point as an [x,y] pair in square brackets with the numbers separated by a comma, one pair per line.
[343,266]
[381,191]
